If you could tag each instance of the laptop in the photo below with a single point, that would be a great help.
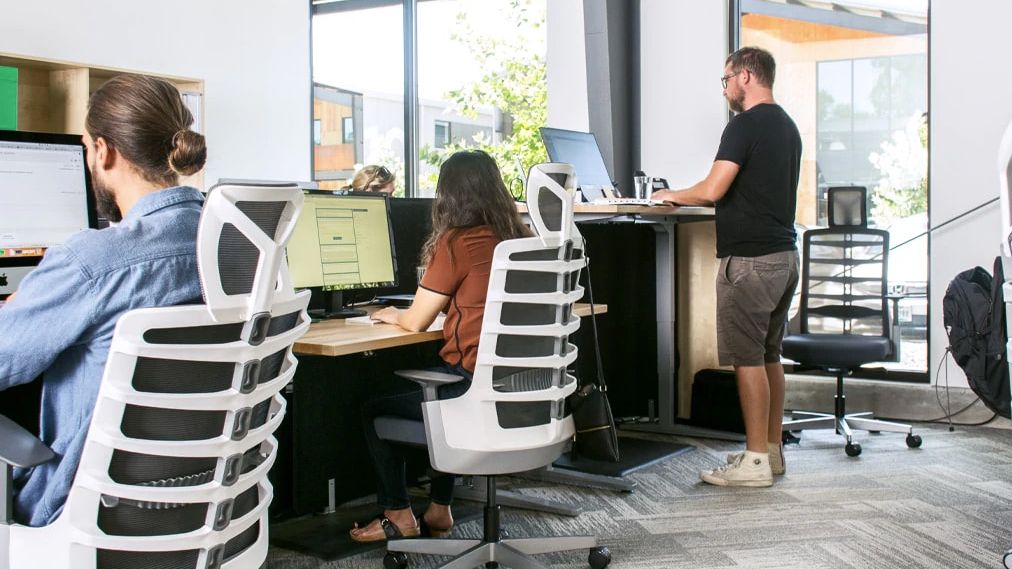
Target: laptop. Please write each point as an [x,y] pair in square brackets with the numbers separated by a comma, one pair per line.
[581,150]
[10,278]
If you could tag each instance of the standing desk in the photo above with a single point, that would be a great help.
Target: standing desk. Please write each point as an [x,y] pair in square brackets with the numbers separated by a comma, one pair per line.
[672,377]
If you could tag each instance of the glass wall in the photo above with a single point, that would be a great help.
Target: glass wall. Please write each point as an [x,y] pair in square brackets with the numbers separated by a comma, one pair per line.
[481,84]
[358,93]
[854,76]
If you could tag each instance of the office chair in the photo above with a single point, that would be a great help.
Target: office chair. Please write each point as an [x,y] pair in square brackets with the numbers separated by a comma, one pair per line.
[513,418]
[174,468]
[843,316]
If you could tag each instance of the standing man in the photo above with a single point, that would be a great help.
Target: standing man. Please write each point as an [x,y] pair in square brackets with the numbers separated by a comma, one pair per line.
[138,141]
[753,184]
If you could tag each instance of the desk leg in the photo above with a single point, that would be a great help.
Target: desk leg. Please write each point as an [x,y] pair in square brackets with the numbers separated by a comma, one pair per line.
[667,343]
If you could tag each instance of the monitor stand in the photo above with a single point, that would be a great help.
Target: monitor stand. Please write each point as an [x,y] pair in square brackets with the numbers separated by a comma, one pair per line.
[333,307]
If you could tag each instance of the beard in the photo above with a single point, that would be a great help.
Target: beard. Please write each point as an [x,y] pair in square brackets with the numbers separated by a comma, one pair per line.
[737,103]
[105,201]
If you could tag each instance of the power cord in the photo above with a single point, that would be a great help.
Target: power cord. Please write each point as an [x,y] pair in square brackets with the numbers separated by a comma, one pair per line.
[517,195]
[947,407]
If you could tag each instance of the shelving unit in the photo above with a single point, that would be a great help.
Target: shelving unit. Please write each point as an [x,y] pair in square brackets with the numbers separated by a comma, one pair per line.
[53,95]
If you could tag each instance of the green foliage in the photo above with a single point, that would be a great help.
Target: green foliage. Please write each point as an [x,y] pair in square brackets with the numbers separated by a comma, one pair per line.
[515,82]
[903,189]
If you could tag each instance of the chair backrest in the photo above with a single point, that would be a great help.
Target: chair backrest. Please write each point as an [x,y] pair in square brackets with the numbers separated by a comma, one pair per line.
[845,271]
[513,418]
[174,469]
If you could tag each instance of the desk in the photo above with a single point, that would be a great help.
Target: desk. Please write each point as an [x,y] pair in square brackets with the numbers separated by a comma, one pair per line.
[338,338]
[673,260]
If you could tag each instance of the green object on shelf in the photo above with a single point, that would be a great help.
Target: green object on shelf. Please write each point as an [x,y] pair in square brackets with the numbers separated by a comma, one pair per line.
[8,98]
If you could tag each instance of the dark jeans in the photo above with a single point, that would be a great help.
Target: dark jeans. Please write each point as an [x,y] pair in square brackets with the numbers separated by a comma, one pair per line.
[388,460]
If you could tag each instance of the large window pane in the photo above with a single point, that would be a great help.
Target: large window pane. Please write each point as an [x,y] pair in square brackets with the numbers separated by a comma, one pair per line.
[482,83]
[853,75]
[358,94]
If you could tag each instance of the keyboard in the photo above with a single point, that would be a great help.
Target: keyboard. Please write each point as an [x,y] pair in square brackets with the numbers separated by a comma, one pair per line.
[627,201]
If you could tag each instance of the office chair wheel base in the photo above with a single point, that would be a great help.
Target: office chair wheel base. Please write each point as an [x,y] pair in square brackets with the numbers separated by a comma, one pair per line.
[599,557]
[914,441]
[395,560]
[853,449]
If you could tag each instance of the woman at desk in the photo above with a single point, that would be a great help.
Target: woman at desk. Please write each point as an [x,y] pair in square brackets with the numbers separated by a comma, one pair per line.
[472,213]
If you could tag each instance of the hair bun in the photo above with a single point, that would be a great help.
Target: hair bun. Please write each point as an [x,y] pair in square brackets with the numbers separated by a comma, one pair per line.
[189,152]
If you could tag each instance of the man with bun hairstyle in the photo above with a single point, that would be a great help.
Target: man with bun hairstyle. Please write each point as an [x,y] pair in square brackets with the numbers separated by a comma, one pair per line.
[138,141]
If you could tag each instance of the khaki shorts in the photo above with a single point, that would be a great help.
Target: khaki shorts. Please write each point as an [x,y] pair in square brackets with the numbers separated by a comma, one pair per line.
[753,297]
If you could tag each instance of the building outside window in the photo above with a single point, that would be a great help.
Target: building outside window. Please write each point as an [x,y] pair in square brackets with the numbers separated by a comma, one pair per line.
[481,80]
[853,74]
[348,130]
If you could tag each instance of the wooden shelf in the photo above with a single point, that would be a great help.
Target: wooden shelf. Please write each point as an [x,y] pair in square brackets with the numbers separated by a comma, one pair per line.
[53,95]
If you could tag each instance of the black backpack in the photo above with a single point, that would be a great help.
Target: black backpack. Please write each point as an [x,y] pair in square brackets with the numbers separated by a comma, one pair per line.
[974,315]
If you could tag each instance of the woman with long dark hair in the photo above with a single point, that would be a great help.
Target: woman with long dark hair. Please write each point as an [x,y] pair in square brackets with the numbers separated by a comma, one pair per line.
[472,213]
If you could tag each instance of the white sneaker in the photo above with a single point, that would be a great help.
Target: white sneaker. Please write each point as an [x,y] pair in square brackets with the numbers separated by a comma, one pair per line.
[748,469]
[777,463]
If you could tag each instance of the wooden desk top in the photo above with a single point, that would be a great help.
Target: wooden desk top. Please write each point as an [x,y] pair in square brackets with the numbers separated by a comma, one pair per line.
[338,338]
[643,210]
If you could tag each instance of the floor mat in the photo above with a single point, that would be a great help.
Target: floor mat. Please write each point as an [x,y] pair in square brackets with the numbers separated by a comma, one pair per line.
[634,454]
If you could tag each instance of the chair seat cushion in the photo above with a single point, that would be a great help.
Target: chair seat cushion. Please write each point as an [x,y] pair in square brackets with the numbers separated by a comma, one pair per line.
[400,430]
[846,351]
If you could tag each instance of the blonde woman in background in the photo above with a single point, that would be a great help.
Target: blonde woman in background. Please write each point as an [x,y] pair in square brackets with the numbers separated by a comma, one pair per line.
[374,178]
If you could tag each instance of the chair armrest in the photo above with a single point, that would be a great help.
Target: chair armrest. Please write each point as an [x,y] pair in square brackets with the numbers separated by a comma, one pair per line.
[429,380]
[20,448]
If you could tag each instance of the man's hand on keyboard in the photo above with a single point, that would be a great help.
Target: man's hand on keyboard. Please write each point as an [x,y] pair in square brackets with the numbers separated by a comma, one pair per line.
[664,196]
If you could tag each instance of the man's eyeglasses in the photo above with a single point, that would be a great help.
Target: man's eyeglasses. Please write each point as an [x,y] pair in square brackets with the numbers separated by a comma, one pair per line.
[724,79]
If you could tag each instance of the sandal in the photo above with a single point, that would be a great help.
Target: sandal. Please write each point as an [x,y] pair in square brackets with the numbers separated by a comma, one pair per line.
[382,531]
[430,531]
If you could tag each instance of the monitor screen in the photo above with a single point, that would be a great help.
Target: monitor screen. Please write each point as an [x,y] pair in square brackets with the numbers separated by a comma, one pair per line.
[581,151]
[342,242]
[45,192]
[412,223]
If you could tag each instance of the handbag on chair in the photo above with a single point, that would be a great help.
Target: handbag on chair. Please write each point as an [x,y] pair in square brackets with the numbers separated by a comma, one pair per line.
[596,437]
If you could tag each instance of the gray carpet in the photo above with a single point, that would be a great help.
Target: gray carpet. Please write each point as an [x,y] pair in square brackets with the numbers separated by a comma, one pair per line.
[945,505]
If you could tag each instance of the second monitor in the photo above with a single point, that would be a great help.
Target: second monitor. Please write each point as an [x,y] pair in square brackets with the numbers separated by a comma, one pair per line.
[342,243]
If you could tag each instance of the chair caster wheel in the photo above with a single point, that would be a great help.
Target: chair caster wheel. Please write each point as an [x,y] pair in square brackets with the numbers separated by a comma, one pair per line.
[914,441]
[853,449]
[875,432]
[395,560]
[599,557]
[1007,560]
[491,565]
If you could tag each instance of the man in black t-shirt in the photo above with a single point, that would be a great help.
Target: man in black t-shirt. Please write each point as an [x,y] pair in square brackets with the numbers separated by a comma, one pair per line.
[753,185]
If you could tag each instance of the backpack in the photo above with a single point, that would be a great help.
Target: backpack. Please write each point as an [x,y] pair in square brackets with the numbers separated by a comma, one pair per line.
[974,316]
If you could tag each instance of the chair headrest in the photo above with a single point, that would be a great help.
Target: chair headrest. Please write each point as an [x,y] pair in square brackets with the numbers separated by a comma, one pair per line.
[550,190]
[848,206]
[241,240]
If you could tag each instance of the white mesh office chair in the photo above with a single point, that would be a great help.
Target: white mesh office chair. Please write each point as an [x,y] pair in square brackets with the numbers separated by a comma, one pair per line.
[843,315]
[174,469]
[513,418]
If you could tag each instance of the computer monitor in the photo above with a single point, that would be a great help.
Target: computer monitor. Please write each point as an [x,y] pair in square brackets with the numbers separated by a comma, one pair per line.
[412,224]
[580,149]
[342,243]
[45,197]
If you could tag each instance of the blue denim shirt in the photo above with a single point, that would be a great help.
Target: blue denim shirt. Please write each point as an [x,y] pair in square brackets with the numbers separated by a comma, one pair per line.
[62,320]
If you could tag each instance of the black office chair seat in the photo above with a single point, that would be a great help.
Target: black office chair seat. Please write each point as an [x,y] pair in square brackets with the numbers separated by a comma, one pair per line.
[839,351]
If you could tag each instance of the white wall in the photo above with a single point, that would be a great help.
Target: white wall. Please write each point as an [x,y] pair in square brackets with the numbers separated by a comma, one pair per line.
[253,56]
[567,66]
[971,105]
[682,50]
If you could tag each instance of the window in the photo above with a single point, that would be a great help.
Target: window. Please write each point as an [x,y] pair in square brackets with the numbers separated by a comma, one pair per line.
[317,131]
[348,130]
[442,134]
[853,76]
[358,74]
[481,81]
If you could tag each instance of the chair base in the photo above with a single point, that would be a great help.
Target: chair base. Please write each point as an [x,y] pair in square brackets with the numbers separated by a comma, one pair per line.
[494,548]
[470,553]
[845,425]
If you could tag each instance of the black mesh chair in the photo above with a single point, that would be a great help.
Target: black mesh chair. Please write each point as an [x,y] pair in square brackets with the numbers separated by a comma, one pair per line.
[513,418]
[174,469]
[844,319]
